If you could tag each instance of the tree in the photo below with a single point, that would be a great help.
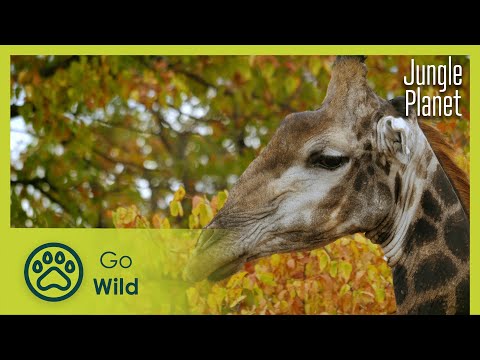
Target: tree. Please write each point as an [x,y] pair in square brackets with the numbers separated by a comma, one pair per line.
[153,141]
[106,131]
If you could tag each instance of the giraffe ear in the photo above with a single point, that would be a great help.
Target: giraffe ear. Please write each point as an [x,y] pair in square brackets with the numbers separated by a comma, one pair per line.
[395,137]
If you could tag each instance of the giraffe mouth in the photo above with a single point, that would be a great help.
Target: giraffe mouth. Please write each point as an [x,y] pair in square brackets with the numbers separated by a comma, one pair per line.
[215,256]
[200,267]
[226,270]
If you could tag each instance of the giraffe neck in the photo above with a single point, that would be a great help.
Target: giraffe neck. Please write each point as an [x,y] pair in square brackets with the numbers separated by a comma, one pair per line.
[426,241]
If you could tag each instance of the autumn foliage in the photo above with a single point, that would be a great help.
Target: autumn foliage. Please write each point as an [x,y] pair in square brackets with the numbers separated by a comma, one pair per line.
[349,276]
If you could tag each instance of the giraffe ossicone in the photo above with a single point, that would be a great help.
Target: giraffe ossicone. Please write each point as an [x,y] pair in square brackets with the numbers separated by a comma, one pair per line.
[357,164]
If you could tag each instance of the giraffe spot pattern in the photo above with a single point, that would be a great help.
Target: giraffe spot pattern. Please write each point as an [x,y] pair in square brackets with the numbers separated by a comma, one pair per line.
[434,272]
[437,306]
[423,232]
[386,168]
[431,207]
[359,181]
[384,193]
[444,188]
[366,123]
[457,235]
[462,293]
[400,285]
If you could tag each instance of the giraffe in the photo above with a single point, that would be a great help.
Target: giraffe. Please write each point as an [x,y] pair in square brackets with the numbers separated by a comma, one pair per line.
[356,164]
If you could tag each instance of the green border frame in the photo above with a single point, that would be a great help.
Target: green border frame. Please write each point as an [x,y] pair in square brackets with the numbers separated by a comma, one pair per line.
[7,234]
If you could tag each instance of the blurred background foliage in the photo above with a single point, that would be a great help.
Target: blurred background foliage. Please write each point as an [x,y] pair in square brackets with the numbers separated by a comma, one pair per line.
[157,141]
[91,133]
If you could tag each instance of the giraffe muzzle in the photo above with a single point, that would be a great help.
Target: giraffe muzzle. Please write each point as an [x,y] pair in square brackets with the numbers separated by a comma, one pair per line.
[215,257]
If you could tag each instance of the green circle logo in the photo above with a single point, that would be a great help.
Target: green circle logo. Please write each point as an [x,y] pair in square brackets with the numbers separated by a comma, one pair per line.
[53,272]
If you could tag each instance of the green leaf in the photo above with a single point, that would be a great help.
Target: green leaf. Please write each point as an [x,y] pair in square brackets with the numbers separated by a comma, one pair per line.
[222,198]
[345,270]
[267,279]
[290,84]
[344,289]
[323,259]
[333,269]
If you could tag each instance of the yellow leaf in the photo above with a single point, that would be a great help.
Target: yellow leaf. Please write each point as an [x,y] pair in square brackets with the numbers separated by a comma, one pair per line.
[141,222]
[221,198]
[236,279]
[192,296]
[238,300]
[372,272]
[193,221]
[179,194]
[165,224]
[284,307]
[212,304]
[380,294]
[333,270]
[118,215]
[275,260]
[220,294]
[180,209]
[206,214]
[160,222]
[124,216]
[135,95]
[323,259]
[248,283]
[385,270]
[345,288]
[174,210]
[267,279]
[345,270]
[309,271]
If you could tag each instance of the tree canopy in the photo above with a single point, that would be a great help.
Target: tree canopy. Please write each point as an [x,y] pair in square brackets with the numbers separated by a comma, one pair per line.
[92,133]
[157,141]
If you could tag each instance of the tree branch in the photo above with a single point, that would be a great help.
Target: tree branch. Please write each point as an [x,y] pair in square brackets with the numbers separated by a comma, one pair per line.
[36,183]
[124,127]
[195,77]
[122,161]
[23,132]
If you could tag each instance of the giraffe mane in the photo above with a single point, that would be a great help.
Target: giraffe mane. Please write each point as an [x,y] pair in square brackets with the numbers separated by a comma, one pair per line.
[445,152]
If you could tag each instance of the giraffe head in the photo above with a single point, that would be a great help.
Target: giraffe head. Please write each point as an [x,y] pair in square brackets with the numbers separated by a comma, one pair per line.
[324,174]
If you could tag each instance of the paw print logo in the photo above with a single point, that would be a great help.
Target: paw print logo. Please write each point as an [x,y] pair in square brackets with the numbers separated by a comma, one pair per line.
[53,272]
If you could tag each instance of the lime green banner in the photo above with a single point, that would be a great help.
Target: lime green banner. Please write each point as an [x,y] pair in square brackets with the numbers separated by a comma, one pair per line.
[67,271]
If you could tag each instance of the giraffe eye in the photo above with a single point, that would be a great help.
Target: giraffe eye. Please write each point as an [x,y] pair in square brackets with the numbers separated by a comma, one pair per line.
[329,162]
